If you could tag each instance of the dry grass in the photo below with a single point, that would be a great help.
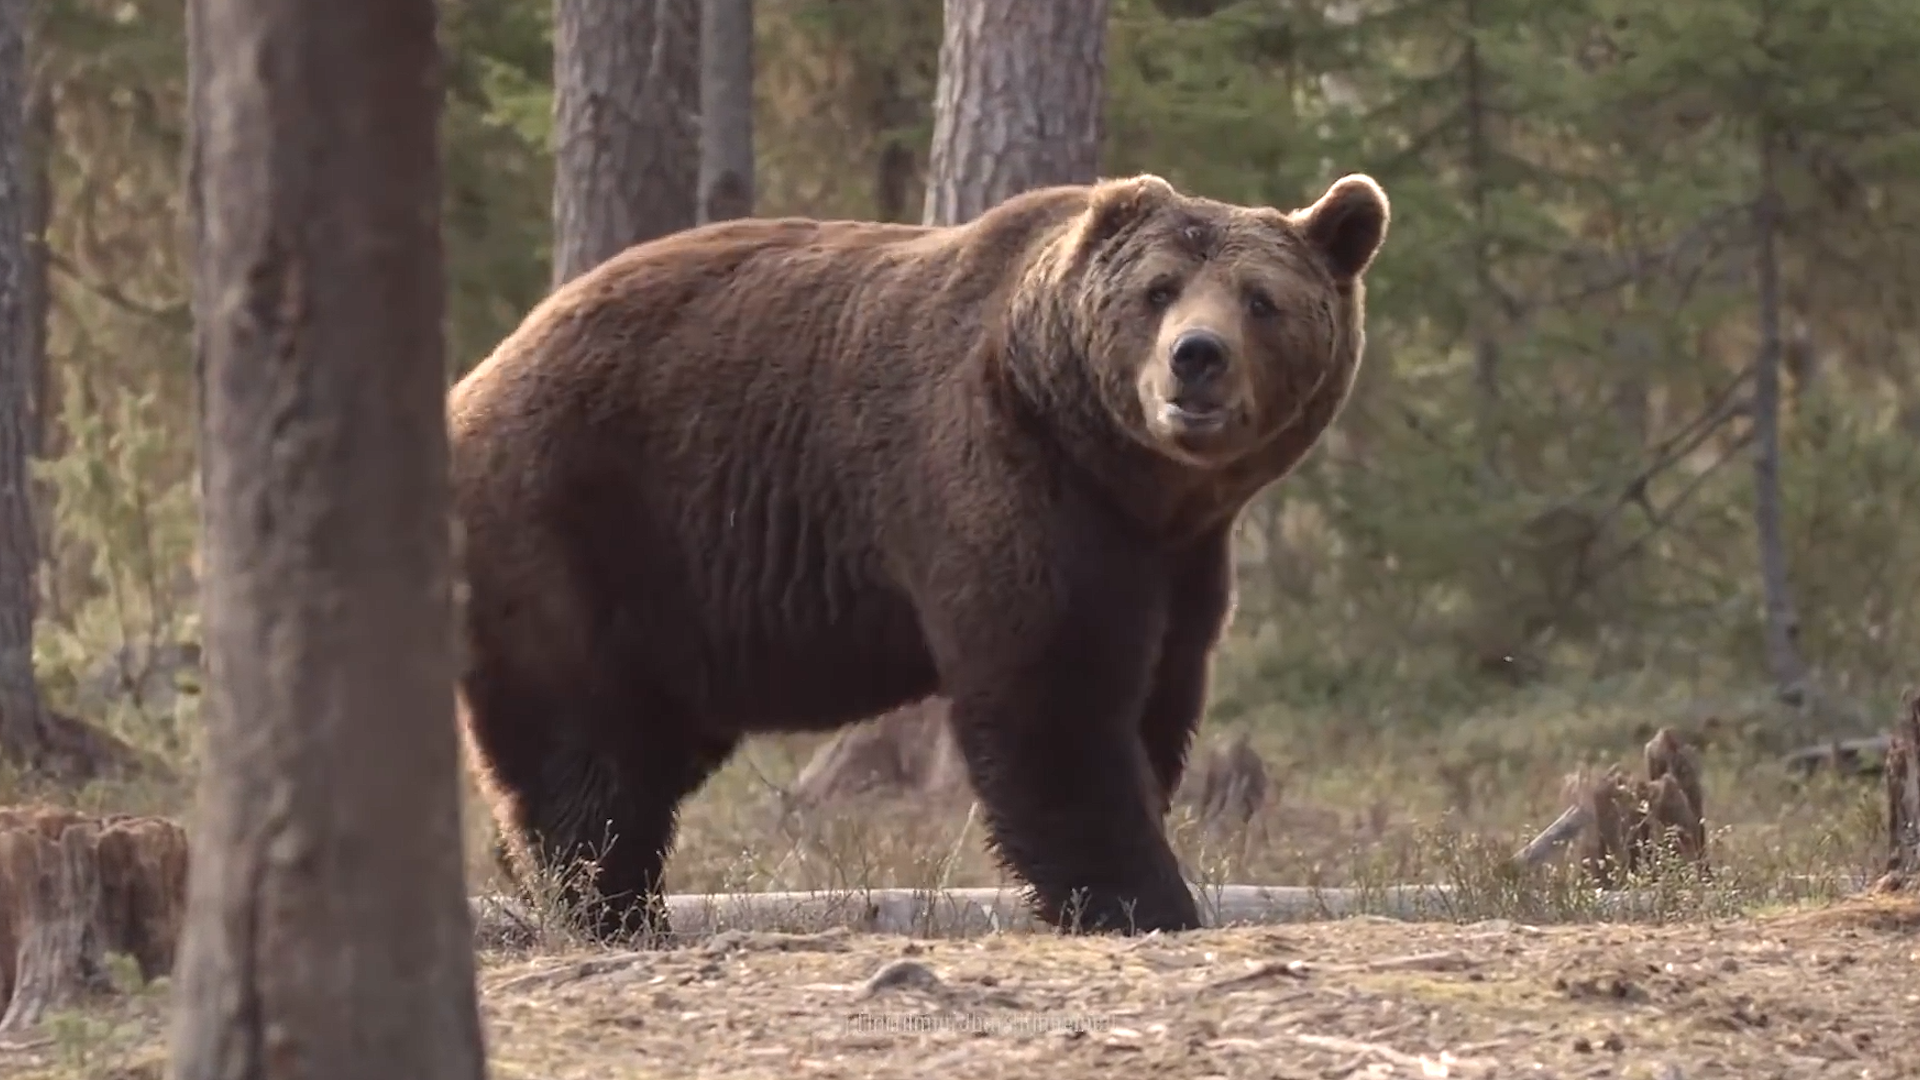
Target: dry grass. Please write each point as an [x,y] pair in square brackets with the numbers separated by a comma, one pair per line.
[1444,807]
[1799,993]
[1754,970]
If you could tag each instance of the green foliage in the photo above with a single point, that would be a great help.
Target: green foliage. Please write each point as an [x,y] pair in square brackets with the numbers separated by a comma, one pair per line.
[498,169]
[142,542]
[1524,487]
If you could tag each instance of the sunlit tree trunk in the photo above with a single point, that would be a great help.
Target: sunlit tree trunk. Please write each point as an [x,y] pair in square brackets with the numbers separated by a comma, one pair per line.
[22,713]
[39,203]
[626,102]
[1784,663]
[327,932]
[1018,104]
[726,109]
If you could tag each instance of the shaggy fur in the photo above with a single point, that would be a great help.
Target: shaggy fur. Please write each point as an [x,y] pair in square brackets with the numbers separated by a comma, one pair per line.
[784,475]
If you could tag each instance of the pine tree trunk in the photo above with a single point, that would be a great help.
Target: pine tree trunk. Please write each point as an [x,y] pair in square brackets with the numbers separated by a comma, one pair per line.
[22,713]
[38,298]
[327,933]
[895,115]
[726,109]
[39,204]
[626,100]
[1018,104]
[1784,662]
[1482,318]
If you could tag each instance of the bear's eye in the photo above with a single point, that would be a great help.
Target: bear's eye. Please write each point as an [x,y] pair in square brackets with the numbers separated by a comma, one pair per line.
[1260,307]
[1161,294]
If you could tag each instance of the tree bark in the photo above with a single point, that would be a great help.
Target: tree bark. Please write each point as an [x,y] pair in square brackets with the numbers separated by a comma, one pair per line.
[327,929]
[726,109]
[626,95]
[39,204]
[1784,663]
[22,712]
[1903,791]
[894,113]
[38,298]
[1481,317]
[1018,105]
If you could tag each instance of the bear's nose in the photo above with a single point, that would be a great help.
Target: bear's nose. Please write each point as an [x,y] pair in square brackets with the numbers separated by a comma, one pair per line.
[1198,355]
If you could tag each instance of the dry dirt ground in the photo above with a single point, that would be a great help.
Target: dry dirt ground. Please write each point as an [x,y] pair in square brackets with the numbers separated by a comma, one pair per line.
[1822,992]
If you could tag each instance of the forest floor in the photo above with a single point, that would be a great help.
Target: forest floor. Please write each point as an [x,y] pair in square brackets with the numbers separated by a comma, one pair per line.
[1775,966]
[1827,990]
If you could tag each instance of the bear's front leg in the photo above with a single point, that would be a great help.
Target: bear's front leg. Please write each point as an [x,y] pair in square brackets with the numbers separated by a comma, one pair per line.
[1052,743]
[1199,602]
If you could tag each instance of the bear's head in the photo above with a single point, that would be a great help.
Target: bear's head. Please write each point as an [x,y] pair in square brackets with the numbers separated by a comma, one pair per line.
[1211,329]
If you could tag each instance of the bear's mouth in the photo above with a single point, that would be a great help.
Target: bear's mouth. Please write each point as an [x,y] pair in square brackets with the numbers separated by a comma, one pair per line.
[1193,419]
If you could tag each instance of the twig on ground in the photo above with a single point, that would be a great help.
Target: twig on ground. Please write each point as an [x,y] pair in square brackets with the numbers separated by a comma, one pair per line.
[1262,973]
[1442,1066]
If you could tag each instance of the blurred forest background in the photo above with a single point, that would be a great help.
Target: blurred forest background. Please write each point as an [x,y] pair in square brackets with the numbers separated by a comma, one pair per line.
[1639,414]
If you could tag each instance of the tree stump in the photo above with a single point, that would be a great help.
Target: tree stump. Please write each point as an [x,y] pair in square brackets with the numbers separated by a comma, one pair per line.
[1674,803]
[1622,822]
[908,751]
[1902,774]
[74,889]
[1230,785]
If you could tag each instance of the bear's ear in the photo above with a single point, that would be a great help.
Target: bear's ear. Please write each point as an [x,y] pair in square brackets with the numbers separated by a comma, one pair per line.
[1346,224]
[1116,204]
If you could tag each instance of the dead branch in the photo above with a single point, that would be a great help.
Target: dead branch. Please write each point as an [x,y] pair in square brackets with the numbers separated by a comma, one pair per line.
[1573,821]
[69,749]
[174,314]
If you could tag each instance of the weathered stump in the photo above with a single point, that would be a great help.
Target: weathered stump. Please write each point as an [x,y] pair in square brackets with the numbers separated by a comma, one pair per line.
[1671,806]
[1230,785]
[74,889]
[908,751]
[1902,774]
[1621,823]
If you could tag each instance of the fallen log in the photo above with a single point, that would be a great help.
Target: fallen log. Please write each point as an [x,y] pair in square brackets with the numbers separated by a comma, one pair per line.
[969,912]
[1861,757]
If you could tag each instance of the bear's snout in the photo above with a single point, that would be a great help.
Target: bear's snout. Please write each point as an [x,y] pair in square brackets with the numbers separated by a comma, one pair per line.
[1198,358]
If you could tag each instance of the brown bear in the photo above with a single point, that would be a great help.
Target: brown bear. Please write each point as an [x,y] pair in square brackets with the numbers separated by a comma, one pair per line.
[784,475]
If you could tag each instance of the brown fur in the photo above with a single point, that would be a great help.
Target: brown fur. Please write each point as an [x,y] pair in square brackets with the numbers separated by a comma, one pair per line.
[776,475]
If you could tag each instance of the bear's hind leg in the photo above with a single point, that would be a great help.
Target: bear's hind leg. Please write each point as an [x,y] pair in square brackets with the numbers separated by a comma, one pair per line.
[654,776]
[579,821]
[594,816]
